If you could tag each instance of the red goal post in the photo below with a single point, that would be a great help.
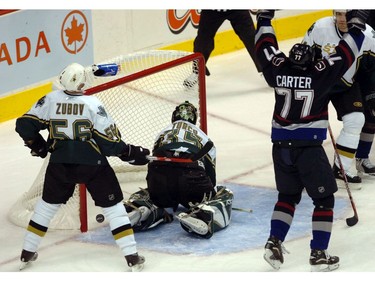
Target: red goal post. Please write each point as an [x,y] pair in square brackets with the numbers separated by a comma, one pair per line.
[141,99]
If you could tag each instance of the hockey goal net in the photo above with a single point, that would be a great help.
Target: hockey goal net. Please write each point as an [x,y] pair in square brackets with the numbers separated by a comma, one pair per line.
[141,99]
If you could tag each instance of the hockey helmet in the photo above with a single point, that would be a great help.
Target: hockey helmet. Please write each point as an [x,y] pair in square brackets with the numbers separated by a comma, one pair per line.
[301,55]
[185,111]
[73,78]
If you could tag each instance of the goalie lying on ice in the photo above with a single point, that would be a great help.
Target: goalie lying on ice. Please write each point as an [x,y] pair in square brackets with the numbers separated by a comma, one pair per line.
[191,184]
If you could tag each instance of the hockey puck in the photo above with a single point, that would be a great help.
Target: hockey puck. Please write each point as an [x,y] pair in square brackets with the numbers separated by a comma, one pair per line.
[99,218]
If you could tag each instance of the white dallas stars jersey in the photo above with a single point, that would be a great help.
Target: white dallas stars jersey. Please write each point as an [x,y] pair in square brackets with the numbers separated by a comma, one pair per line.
[188,139]
[181,138]
[80,129]
[324,35]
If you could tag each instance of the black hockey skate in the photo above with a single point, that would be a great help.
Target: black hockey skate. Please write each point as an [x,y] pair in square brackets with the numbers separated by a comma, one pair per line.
[364,166]
[273,254]
[320,260]
[135,262]
[27,257]
[354,182]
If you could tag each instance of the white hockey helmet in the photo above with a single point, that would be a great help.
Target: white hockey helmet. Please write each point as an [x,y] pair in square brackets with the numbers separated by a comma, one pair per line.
[73,78]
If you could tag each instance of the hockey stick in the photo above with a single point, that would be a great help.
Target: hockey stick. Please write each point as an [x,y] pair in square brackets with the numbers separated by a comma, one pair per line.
[242,210]
[201,153]
[354,219]
[169,159]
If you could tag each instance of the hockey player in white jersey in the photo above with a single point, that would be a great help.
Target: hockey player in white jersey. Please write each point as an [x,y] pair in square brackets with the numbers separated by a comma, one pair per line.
[191,184]
[351,97]
[81,136]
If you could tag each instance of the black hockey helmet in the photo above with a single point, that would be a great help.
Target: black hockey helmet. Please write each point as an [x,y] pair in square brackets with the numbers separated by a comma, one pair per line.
[185,111]
[301,55]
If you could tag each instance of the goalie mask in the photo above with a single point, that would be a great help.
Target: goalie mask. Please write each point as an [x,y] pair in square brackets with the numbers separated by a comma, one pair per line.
[301,56]
[73,78]
[185,111]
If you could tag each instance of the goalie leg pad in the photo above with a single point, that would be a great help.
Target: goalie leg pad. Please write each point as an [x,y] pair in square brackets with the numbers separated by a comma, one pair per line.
[138,215]
[222,204]
[192,224]
[198,222]
[143,213]
[206,218]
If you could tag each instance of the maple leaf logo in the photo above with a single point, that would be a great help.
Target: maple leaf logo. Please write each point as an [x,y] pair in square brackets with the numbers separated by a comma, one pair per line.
[74,33]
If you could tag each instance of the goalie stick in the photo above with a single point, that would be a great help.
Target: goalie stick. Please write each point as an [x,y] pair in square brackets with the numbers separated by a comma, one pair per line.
[201,153]
[352,220]
[169,159]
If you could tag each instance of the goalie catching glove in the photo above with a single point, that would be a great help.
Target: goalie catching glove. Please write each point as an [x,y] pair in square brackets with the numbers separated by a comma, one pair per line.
[38,146]
[356,20]
[135,155]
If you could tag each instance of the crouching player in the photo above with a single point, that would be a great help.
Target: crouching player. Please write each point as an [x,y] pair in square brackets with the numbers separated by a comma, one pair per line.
[191,184]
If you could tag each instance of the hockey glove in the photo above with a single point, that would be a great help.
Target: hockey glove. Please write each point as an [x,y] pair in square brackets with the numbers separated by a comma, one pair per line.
[135,155]
[109,69]
[265,15]
[38,146]
[356,20]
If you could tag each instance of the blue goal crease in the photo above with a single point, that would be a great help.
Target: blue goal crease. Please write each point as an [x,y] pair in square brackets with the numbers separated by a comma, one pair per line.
[246,230]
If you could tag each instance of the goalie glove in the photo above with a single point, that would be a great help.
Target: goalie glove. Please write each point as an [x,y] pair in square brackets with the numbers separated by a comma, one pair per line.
[38,146]
[265,15]
[356,20]
[135,155]
[103,70]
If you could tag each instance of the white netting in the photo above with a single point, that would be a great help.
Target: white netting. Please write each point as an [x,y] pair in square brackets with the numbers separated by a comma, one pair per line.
[140,108]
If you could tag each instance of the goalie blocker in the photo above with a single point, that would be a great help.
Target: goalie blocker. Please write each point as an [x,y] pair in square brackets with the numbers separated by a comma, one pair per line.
[103,70]
[201,219]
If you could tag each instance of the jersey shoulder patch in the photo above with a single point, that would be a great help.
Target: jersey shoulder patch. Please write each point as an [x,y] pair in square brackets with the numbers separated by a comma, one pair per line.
[101,111]
[310,29]
[277,61]
[40,102]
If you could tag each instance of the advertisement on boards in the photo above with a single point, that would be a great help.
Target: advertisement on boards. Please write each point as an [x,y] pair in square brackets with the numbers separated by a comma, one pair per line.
[36,45]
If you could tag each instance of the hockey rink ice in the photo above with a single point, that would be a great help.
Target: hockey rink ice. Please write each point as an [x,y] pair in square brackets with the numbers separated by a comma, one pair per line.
[239,106]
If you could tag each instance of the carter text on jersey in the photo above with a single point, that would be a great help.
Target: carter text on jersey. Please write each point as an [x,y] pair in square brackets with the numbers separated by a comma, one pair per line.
[293,81]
